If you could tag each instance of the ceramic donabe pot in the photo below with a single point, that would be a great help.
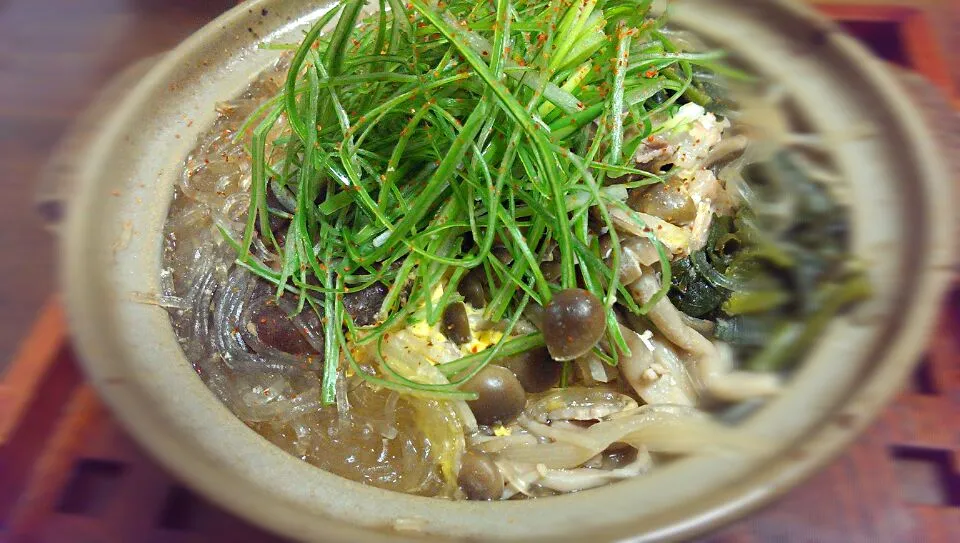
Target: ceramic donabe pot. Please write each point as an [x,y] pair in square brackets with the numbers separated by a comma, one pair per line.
[112,249]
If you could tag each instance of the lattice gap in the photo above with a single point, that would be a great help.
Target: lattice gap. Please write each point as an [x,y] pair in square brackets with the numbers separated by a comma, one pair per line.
[91,487]
[926,476]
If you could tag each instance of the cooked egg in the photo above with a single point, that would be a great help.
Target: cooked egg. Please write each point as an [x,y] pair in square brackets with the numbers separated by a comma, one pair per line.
[500,430]
[481,339]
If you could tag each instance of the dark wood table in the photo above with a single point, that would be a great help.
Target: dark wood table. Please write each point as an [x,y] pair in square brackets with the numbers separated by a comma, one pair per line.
[69,474]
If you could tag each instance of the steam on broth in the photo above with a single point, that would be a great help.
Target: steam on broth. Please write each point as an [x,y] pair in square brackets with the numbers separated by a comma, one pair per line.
[489,251]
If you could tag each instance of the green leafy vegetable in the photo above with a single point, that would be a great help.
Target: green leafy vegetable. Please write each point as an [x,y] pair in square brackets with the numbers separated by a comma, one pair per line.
[765,292]
[398,136]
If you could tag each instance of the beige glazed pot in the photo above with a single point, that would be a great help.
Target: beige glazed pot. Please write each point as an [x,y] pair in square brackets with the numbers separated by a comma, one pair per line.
[903,230]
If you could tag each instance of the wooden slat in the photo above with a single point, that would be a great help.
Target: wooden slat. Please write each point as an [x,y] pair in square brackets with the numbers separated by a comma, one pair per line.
[925,51]
[52,470]
[920,39]
[41,417]
[865,12]
[70,528]
[941,524]
[33,360]
[944,348]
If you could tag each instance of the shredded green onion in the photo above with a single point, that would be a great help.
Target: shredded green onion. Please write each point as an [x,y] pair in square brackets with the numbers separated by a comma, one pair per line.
[432,122]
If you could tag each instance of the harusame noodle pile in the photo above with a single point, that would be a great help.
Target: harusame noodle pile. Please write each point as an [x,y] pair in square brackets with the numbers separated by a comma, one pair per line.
[490,250]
